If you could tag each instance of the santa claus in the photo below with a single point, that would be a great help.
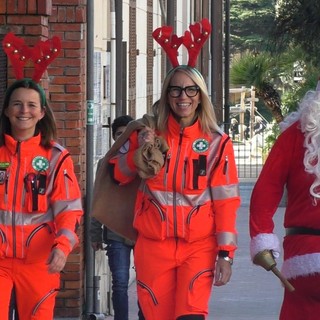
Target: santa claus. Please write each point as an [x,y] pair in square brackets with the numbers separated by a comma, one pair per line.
[293,164]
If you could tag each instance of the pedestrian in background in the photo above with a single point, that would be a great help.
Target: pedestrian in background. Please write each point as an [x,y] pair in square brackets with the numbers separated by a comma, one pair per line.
[293,164]
[118,248]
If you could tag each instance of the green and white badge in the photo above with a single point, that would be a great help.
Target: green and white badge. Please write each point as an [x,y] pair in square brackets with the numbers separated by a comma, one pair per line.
[200,145]
[40,163]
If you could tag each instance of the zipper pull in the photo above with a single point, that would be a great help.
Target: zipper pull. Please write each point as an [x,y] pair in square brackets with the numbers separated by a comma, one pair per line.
[225,167]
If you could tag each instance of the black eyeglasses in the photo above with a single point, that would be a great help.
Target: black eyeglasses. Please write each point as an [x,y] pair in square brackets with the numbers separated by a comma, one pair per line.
[175,91]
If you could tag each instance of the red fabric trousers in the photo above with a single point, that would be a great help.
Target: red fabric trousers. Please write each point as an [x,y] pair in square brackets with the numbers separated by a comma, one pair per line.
[304,302]
[174,277]
[35,289]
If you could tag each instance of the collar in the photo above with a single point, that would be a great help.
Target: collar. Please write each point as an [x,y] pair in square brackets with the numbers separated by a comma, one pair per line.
[174,128]
[26,146]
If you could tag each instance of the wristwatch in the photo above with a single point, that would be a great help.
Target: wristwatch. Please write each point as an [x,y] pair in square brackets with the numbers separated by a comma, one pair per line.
[225,256]
[230,260]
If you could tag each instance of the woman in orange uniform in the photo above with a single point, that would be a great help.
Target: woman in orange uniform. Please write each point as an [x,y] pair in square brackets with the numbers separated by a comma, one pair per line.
[40,203]
[185,213]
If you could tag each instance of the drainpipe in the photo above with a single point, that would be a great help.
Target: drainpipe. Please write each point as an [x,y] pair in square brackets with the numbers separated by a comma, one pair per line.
[89,253]
[113,55]
[227,68]
[120,104]
[170,22]
[217,61]
[92,285]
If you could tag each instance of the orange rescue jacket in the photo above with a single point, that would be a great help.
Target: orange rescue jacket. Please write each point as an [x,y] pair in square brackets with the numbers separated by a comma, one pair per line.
[40,201]
[196,192]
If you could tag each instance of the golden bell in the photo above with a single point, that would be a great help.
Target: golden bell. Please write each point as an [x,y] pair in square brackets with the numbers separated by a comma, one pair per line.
[265,259]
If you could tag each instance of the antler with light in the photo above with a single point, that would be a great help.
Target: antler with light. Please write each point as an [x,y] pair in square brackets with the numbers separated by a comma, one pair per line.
[200,33]
[169,43]
[193,41]
[43,54]
[19,54]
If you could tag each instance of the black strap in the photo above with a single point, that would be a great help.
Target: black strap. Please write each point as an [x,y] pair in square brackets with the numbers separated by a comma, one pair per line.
[302,230]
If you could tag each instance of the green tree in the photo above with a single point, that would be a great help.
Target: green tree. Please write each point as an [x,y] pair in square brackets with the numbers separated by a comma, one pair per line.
[298,24]
[250,24]
[258,70]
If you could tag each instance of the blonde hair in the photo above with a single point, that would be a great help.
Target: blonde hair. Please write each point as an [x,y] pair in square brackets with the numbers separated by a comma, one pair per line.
[205,111]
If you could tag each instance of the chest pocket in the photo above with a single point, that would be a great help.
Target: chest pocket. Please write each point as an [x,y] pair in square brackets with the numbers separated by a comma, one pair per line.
[196,173]
[35,186]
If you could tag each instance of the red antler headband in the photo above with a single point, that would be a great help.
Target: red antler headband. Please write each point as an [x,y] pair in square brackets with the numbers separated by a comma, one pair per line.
[193,41]
[43,53]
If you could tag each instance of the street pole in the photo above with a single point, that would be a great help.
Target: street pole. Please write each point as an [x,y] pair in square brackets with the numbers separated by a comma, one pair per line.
[217,63]
[170,22]
[89,254]
[120,104]
[227,67]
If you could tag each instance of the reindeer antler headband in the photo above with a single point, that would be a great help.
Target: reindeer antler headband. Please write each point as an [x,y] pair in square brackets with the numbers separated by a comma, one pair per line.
[193,41]
[42,54]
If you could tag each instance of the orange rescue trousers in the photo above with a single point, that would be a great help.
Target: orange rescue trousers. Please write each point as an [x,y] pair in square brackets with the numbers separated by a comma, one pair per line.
[174,277]
[35,299]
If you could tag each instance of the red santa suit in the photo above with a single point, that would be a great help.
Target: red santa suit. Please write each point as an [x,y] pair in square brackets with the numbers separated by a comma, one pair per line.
[293,164]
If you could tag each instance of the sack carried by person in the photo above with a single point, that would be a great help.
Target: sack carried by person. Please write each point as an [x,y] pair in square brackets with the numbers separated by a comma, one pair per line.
[113,204]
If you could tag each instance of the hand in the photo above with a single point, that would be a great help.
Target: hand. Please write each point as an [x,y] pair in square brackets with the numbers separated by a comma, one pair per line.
[223,272]
[56,261]
[145,135]
[97,246]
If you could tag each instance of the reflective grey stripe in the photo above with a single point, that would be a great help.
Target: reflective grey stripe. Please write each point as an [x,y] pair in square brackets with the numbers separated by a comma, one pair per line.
[166,198]
[69,235]
[213,152]
[123,167]
[55,156]
[227,238]
[63,206]
[22,219]
[225,192]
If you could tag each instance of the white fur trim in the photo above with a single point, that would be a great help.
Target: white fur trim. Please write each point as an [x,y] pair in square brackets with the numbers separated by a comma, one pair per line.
[265,241]
[301,265]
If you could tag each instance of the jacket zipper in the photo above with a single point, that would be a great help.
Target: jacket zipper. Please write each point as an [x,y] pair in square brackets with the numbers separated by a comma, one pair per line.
[167,169]
[194,209]
[159,209]
[184,173]
[44,225]
[152,295]
[50,293]
[66,178]
[14,201]
[6,189]
[198,275]
[225,168]
[174,185]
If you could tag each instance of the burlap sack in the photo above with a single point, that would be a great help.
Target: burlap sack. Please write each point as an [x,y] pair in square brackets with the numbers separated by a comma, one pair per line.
[113,205]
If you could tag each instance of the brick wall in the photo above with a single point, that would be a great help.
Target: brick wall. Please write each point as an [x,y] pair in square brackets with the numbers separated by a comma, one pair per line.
[65,85]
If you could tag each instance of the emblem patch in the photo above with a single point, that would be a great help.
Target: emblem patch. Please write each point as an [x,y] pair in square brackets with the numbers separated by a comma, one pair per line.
[200,145]
[40,163]
[3,174]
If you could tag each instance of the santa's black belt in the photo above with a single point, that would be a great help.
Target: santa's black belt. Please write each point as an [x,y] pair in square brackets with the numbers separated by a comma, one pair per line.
[302,230]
